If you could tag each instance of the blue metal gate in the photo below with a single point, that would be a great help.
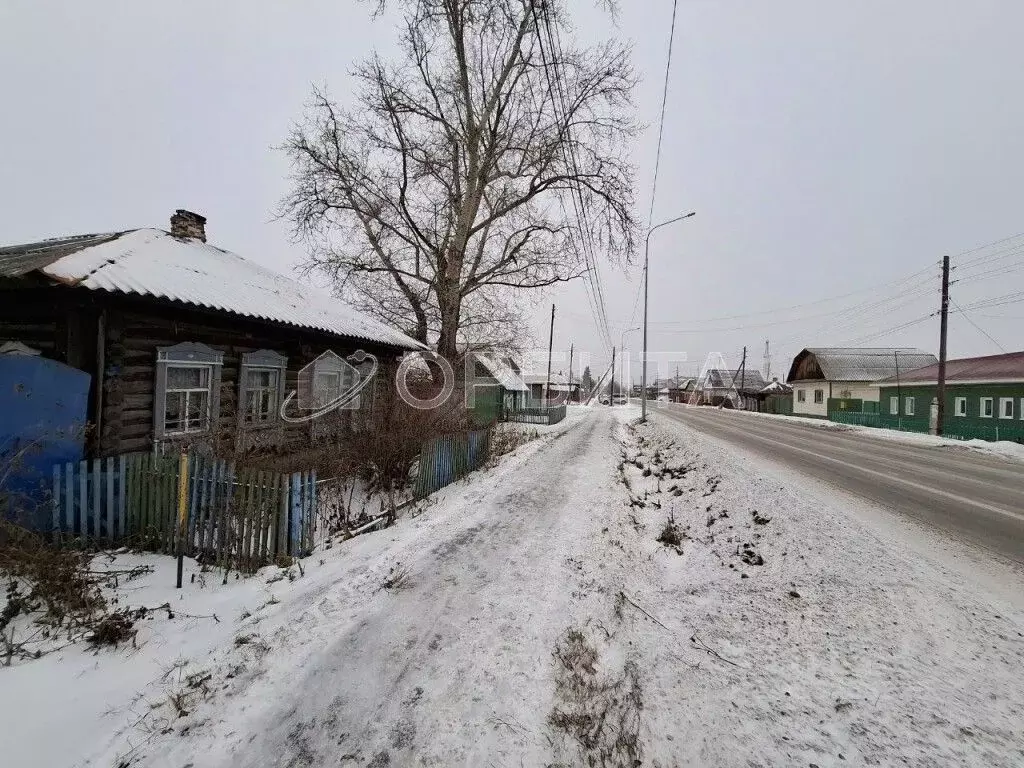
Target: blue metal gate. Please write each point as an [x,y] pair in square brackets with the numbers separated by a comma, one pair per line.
[43,407]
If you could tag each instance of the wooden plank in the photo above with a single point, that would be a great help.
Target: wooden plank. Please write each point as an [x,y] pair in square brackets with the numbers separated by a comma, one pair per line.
[281,528]
[83,498]
[122,463]
[206,541]
[55,498]
[260,537]
[244,552]
[224,516]
[110,499]
[194,520]
[96,512]
[294,512]
[69,498]
[311,528]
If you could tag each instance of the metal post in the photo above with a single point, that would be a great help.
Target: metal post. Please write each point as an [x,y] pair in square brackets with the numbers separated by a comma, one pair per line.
[643,360]
[182,512]
[899,393]
[572,348]
[940,390]
[551,342]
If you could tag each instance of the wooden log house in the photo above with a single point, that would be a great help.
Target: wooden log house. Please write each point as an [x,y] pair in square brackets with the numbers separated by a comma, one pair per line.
[187,342]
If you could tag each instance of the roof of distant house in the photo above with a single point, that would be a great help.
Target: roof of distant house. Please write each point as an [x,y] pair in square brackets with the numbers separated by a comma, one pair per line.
[745,381]
[862,363]
[777,387]
[559,381]
[154,263]
[1008,367]
[502,373]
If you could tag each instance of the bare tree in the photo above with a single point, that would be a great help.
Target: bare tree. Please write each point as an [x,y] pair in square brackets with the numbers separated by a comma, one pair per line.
[486,161]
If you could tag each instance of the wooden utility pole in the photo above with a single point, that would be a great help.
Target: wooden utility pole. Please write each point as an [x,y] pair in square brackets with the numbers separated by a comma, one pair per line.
[767,361]
[940,390]
[551,344]
[572,348]
[743,379]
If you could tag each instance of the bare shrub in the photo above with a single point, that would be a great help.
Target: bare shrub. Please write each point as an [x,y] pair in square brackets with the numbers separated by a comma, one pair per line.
[671,535]
[507,438]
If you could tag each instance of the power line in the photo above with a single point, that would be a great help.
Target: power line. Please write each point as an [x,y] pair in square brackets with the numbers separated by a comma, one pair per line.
[595,294]
[978,327]
[664,102]
[980,248]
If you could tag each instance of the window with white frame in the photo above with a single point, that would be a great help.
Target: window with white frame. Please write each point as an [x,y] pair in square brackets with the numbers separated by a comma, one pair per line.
[960,406]
[894,406]
[908,406]
[819,396]
[1005,407]
[261,387]
[986,407]
[326,387]
[801,396]
[186,398]
[1021,409]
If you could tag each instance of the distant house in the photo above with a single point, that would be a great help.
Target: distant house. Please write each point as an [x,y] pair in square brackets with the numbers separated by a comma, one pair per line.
[731,388]
[819,375]
[679,389]
[776,397]
[984,397]
[188,343]
[559,389]
[498,387]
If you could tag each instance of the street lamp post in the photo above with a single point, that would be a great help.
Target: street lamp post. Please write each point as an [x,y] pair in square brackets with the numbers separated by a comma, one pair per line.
[622,360]
[647,249]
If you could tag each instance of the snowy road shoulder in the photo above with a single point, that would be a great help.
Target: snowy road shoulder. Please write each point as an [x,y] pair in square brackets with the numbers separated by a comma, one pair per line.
[839,640]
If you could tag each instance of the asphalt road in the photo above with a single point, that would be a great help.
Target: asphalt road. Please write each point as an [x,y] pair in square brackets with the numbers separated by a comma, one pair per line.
[958,491]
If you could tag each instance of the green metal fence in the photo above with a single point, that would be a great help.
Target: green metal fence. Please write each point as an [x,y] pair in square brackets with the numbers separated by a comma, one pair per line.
[958,431]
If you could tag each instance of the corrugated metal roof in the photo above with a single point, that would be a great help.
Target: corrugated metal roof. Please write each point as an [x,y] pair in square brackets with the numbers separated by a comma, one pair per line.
[1007,367]
[18,260]
[503,374]
[150,262]
[751,379]
[864,363]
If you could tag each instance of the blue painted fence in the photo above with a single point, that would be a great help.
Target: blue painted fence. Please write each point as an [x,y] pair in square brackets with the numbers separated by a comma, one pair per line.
[236,517]
[446,459]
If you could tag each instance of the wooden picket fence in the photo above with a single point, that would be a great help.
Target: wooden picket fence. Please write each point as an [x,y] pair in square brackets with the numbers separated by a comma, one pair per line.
[236,517]
[446,459]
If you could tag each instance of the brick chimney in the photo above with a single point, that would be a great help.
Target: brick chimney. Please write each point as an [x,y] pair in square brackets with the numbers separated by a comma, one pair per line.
[187,224]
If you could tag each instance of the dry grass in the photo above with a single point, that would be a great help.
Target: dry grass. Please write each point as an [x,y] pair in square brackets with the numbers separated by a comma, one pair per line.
[600,713]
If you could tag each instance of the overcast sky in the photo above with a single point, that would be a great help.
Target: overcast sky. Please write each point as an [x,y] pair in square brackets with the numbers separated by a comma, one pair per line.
[830,149]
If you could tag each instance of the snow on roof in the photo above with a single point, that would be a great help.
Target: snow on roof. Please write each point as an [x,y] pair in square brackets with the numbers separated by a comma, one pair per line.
[1006,367]
[750,379]
[775,387]
[151,262]
[863,363]
[557,379]
[502,373]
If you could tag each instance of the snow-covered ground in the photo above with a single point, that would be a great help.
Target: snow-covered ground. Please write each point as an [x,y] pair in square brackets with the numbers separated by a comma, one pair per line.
[528,616]
[1003,448]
